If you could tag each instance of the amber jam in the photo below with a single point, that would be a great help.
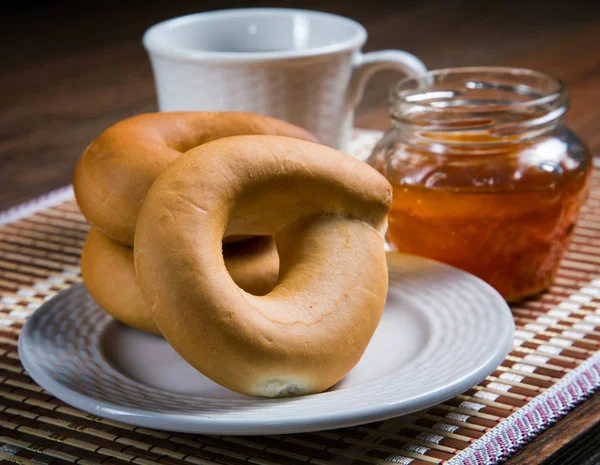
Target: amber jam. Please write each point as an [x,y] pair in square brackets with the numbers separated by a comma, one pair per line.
[486,176]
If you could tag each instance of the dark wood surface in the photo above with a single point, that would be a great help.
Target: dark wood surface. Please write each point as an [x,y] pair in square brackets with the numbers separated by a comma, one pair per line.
[69,71]
[584,449]
[549,447]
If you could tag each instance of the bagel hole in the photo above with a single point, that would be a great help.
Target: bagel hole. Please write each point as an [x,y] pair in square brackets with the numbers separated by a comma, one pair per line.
[252,262]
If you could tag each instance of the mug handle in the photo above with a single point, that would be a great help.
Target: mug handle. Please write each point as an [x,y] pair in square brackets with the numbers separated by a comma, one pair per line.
[367,64]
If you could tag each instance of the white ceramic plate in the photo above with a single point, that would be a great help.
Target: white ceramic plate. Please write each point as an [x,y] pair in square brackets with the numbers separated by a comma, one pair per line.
[442,332]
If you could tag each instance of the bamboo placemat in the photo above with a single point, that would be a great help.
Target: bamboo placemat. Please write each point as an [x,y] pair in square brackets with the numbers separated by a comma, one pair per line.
[554,365]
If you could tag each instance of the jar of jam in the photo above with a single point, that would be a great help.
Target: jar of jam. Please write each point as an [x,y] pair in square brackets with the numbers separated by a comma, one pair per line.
[486,175]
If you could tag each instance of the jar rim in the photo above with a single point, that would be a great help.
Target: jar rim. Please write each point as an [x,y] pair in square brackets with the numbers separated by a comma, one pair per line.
[405,91]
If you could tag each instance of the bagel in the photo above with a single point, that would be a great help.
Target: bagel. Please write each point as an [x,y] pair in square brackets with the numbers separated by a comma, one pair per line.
[327,212]
[116,170]
[108,273]
[253,264]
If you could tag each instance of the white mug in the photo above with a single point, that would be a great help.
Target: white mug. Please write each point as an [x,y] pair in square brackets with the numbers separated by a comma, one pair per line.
[301,66]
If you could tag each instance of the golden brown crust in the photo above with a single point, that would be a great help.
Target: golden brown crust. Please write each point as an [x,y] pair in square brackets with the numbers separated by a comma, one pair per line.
[108,273]
[117,169]
[326,210]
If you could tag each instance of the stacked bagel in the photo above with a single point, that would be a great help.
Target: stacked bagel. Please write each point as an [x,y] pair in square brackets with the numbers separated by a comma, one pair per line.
[258,253]
[111,180]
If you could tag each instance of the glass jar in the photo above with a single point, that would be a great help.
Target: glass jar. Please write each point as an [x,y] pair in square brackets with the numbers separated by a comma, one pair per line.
[486,175]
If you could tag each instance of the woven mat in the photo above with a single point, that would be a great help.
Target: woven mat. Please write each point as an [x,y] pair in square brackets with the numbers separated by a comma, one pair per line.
[554,365]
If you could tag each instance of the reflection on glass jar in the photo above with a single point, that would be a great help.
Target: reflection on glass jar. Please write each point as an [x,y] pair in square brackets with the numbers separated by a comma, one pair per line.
[486,175]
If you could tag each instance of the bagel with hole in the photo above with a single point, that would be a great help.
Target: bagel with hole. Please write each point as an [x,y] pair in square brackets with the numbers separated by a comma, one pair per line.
[327,212]
[108,273]
[116,170]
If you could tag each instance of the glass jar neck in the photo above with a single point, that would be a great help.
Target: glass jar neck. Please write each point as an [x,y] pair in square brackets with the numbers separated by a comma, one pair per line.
[478,110]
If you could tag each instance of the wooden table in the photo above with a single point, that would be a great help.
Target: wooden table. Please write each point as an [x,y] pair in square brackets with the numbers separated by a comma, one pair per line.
[68,72]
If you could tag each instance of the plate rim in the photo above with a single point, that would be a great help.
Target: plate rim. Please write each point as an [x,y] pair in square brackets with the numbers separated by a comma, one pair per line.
[206,424]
